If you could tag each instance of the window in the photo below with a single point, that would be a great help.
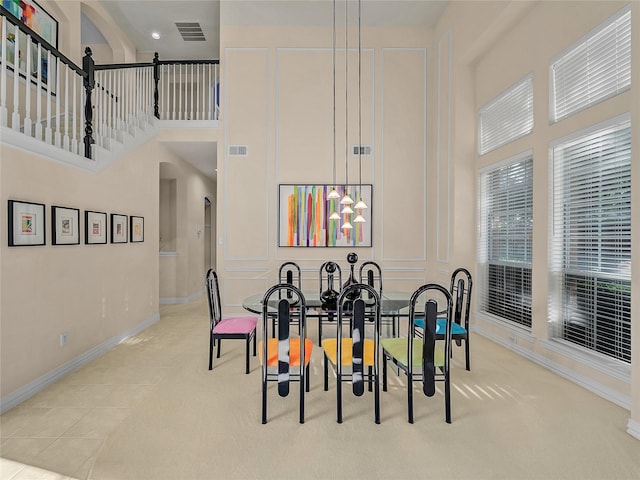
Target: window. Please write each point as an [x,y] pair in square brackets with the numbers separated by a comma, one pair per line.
[596,68]
[590,282]
[505,239]
[507,117]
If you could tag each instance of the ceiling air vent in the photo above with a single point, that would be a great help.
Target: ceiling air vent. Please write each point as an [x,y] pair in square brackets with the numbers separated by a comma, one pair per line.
[238,150]
[190,31]
[364,149]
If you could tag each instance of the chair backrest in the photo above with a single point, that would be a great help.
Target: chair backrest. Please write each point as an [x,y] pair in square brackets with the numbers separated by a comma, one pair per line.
[213,297]
[287,303]
[460,288]
[429,301]
[353,309]
[330,284]
[371,274]
[290,273]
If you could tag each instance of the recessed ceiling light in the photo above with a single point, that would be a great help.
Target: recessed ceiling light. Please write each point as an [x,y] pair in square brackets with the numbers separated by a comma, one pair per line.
[155,35]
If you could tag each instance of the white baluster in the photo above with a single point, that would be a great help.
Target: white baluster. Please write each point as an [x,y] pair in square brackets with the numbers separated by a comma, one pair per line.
[3,76]
[182,88]
[74,138]
[39,94]
[204,97]
[196,80]
[174,91]
[191,82]
[27,104]
[15,117]
[47,130]
[65,138]
[58,136]
[211,104]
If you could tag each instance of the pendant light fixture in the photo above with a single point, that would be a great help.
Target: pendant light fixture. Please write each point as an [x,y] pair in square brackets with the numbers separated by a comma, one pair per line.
[346,199]
[361,204]
[333,194]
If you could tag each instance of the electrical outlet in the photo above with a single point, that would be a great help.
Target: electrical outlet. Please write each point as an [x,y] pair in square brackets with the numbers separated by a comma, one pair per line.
[513,339]
[64,337]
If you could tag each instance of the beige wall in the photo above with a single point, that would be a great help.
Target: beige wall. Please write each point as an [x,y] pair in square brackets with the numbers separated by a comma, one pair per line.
[278,97]
[515,39]
[92,292]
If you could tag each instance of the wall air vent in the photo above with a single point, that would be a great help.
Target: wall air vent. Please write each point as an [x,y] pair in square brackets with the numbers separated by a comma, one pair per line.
[238,150]
[364,149]
[190,31]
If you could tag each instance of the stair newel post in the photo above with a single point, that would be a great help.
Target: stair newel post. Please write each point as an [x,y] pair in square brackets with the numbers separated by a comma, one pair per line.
[88,66]
[156,78]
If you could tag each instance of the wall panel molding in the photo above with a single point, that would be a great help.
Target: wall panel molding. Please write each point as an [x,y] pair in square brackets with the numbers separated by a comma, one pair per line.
[443,150]
[389,92]
[226,197]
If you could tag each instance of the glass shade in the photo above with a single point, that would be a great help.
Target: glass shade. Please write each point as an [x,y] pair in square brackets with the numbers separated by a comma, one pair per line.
[333,194]
[346,200]
[347,209]
[359,219]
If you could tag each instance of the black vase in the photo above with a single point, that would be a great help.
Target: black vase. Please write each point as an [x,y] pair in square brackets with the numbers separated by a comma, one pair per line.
[329,297]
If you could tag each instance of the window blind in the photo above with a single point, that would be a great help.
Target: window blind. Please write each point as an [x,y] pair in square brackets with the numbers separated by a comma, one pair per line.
[507,117]
[591,240]
[596,68]
[505,239]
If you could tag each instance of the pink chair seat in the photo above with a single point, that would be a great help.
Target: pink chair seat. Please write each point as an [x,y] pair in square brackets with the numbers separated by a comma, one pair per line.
[237,325]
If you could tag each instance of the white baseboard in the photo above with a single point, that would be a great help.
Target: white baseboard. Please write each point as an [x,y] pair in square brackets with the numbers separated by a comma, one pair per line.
[172,300]
[23,393]
[584,381]
[633,428]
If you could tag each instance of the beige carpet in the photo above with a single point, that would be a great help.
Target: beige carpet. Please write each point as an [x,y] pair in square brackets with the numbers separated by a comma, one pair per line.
[150,409]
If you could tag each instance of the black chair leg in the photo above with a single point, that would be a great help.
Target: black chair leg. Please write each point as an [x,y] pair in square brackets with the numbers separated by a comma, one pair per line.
[326,373]
[377,400]
[447,399]
[370,378]
[247,347]
[410,396]
[264,401]
[339,398]
[384,373]
[466,352]
[303,382]
[211,352]
[306,379]
[219,346]
[255,341]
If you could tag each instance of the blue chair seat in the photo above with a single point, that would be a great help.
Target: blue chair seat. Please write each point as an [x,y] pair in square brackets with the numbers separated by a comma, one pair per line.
[441,326]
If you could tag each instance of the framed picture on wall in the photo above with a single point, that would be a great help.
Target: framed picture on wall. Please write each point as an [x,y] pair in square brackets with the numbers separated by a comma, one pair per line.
[136,229]
[65,226]
[36,18]
[95,227]
[304,211]
[119,228]
[26,224]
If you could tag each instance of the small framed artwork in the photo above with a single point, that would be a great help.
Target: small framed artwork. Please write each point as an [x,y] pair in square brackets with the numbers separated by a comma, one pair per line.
[136,228]
[95,227]
[26,224]
[119,226]
[65,226]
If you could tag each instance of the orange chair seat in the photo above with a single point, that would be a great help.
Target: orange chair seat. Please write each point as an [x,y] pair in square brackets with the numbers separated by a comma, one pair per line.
[294,351]
[330,346]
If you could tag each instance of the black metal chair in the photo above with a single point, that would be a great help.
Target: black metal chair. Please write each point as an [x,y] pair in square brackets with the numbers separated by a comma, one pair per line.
[289,272]
[278,355]
[421,359]
[460,288]
[230,328]
[356,352]
[371,274]
[330,285]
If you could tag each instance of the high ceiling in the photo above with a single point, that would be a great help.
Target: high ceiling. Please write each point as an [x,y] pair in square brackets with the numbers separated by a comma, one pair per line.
[140,18]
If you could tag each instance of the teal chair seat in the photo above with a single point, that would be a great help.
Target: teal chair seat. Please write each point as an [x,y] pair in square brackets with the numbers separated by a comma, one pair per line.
[441,325]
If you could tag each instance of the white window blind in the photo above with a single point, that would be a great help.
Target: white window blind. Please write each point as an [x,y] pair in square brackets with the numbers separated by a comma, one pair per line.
[591,240]
[596,68]
[505,239]
[507,117]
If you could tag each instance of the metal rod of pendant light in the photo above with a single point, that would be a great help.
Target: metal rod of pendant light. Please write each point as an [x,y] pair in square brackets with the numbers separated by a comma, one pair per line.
[346,199]
[333,194]
[361,204]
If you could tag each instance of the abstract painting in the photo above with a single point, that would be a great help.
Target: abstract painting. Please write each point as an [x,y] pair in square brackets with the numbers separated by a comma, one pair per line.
[303,215]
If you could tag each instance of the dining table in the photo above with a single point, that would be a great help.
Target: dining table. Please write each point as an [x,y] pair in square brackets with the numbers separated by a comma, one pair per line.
[394,305]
